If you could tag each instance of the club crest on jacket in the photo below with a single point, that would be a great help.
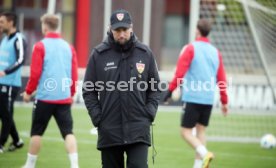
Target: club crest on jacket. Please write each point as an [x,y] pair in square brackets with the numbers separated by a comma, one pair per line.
[140,67]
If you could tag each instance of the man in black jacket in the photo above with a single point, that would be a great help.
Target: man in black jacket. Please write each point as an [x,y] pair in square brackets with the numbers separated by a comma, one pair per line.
[121,94]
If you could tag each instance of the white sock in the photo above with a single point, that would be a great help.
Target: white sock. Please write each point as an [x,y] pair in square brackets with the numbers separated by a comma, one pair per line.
[201,150]
[31,160]
[197,163]
[74,160]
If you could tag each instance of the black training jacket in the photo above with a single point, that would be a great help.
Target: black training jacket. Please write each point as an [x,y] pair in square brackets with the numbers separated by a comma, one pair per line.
[122,117]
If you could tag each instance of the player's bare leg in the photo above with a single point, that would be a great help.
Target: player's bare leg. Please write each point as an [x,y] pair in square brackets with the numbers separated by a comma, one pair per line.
[35,144]
[71,148]
[196,143]
[187,135]
[201,135]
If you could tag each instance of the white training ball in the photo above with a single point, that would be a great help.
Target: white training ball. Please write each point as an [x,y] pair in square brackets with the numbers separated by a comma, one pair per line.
[268,141]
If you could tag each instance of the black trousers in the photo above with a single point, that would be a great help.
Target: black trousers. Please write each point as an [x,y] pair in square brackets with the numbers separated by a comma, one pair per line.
[7,97]
[137,156]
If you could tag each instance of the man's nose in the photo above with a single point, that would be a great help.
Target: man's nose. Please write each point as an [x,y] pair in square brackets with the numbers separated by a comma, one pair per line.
[121,33]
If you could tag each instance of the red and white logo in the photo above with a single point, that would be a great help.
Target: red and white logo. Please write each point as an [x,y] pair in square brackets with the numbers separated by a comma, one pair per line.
[120,16]
[140,67]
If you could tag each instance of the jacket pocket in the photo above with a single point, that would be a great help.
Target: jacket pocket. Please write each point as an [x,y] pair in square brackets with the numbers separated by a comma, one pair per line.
[149,114]
[96,117]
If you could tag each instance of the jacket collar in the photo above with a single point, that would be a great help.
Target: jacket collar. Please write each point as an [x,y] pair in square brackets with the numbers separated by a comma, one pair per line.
[203,39]
[12,35]
[53,35]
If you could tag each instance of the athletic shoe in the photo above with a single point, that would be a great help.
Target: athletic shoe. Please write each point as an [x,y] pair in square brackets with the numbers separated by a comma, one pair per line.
[14,146]
[207,159]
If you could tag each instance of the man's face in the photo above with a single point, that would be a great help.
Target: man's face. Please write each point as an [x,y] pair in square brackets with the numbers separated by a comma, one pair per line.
[122,35]
[5,25]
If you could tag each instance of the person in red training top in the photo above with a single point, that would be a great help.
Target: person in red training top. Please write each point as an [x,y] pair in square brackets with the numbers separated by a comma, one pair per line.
[200,68]
[53,76]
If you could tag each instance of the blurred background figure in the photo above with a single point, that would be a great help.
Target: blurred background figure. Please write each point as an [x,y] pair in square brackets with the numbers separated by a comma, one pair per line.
[199,69]
[12,56]
[53,60]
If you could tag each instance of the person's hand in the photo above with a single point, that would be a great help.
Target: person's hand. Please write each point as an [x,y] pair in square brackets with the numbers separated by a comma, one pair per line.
[2,73]
[167,96]
[26,97]
[224,109]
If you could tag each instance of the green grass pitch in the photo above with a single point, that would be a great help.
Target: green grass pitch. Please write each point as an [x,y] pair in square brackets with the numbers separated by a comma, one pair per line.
[172,151]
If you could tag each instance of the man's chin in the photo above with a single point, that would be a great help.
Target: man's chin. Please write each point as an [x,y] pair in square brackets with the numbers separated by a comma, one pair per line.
[122,42]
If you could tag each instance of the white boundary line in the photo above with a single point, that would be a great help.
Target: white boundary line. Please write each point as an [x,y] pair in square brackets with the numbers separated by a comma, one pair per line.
[25,134]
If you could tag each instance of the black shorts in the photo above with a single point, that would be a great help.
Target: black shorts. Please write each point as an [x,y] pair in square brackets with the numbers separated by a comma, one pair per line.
[42,113]
[195,113]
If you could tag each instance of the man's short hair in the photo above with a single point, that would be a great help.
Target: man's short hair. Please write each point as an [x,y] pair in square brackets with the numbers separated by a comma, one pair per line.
[50,20]
[11,16]
[204,27]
